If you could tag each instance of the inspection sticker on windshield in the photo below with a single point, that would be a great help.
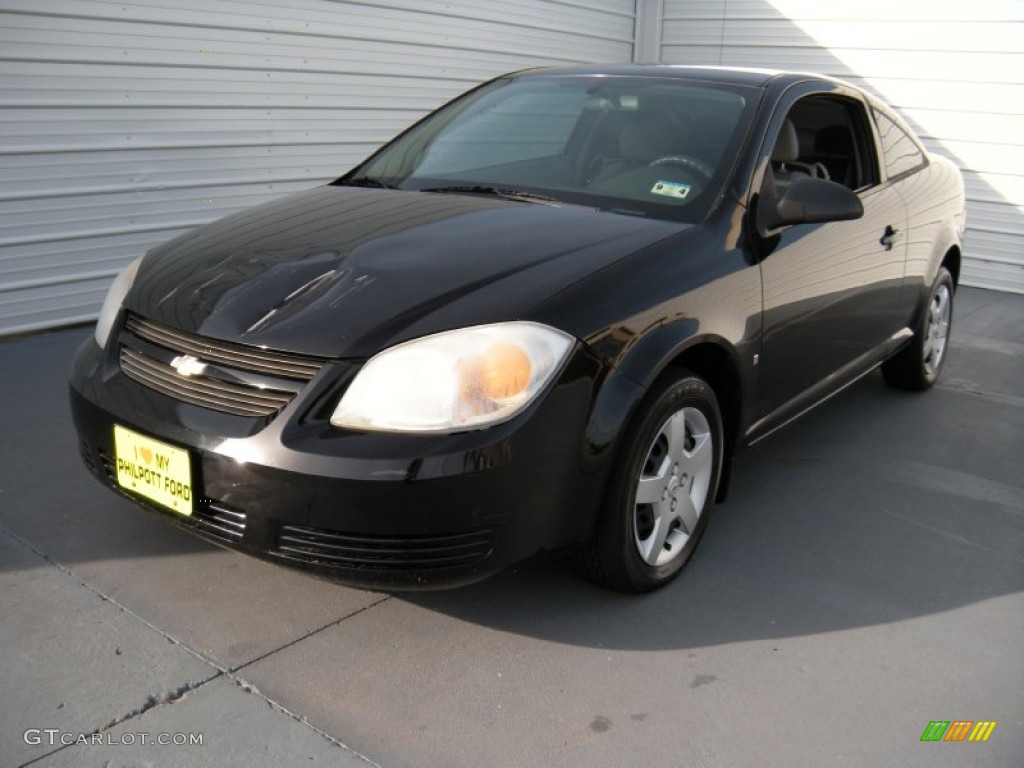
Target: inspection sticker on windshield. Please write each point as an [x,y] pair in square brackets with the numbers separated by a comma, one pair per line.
[670,189]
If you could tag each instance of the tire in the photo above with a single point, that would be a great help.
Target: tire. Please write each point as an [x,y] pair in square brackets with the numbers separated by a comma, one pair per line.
[917,366]
[661,490]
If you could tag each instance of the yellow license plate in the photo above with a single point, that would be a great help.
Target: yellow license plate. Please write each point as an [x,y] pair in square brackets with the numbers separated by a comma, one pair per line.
[156,470]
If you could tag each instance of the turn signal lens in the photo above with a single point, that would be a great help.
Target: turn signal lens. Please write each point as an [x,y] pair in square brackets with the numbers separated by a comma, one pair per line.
[501,372]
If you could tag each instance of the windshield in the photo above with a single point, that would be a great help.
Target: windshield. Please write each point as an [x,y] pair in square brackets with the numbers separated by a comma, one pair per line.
[647,146]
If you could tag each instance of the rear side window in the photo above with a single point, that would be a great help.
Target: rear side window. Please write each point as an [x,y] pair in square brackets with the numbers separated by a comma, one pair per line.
[902,154]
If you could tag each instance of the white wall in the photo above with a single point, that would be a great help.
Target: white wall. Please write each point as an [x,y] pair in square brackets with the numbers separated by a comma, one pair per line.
[954,69]
[126,123]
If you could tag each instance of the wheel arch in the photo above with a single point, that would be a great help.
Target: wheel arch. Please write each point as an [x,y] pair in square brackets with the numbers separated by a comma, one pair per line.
[946,252]
[951,261]
[716,364]
[658,355]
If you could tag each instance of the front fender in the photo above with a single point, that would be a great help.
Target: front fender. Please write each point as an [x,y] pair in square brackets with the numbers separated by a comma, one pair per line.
[636,365]
[643,362]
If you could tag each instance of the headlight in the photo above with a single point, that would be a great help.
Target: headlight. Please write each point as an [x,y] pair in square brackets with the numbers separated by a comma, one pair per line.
[112,303]
[454,381]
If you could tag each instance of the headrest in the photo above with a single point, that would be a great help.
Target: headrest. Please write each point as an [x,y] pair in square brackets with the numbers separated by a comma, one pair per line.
[787,146]
[710,130]
[644,139]
[833,140]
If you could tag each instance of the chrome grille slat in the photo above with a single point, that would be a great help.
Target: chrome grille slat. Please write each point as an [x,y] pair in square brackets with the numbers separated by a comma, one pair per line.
[230,393]
[169,383]
[239,359]
[215,519]
[283,364]
[210,525]
[230,516]
[242,380]
[155,384]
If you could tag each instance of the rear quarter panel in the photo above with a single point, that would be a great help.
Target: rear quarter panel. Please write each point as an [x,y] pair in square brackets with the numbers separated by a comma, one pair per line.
[934,197]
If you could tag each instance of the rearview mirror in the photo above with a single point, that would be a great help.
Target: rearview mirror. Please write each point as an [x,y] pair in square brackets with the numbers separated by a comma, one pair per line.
[807,201]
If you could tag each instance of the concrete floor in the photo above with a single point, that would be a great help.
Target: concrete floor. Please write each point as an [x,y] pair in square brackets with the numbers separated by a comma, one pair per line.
[863,579]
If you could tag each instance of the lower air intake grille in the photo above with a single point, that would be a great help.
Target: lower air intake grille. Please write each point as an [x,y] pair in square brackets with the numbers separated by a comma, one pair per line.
[213,518]
[382,553]
[107,464]
[220,521]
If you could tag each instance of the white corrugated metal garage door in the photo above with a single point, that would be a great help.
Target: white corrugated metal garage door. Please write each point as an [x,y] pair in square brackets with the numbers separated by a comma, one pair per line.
[127,123]
[954,69]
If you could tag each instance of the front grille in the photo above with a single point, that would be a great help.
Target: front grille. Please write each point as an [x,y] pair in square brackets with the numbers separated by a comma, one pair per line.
[204,391]
[382,553]
[283,364]
[238,379]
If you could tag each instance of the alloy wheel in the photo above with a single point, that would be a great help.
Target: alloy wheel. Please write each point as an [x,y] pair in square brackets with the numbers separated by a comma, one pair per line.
[672,489]
[937,330]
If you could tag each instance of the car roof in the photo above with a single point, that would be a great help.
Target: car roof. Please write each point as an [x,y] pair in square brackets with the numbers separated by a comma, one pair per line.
[737,75]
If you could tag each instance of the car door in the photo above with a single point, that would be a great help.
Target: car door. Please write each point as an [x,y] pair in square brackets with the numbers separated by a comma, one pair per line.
[929,190]
[830,291]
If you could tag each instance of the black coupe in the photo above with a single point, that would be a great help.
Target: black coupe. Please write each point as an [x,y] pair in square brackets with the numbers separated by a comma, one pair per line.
[545,317]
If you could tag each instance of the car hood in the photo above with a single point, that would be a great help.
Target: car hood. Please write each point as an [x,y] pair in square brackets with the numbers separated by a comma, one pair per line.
[346,271]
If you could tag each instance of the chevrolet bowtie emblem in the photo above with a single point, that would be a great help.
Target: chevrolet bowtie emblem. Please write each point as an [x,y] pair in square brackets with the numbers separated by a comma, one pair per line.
[187,365]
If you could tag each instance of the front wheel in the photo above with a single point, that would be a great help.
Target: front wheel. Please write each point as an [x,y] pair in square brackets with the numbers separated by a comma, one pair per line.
[917,366]
[661,490]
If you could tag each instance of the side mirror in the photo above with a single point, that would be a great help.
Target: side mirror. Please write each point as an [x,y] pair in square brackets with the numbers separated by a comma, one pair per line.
[806,201]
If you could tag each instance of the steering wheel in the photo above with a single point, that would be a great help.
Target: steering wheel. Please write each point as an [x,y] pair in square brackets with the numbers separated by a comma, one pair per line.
[690,163]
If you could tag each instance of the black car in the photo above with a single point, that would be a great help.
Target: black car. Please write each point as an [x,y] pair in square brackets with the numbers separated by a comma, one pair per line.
[543,318]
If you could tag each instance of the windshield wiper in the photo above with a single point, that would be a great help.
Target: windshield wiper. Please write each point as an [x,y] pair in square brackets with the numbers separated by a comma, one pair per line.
[505,193]
[366,181]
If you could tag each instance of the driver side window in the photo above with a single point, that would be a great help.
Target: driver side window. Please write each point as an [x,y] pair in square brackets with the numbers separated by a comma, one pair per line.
[825,137]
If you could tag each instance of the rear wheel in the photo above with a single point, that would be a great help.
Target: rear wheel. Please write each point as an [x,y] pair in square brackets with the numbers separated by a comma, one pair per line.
[917,366]
[661,490]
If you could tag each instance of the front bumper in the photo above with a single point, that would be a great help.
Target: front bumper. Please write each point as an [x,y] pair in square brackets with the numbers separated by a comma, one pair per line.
[372,510]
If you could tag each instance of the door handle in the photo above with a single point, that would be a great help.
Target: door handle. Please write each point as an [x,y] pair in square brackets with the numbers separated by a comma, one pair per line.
[888,237]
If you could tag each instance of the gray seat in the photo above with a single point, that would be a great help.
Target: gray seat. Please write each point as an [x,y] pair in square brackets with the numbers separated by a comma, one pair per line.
[707,138]
[786,166]
[642,139]
[784,156]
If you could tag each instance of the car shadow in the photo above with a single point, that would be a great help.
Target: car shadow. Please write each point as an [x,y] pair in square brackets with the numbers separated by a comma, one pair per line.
[828,527]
